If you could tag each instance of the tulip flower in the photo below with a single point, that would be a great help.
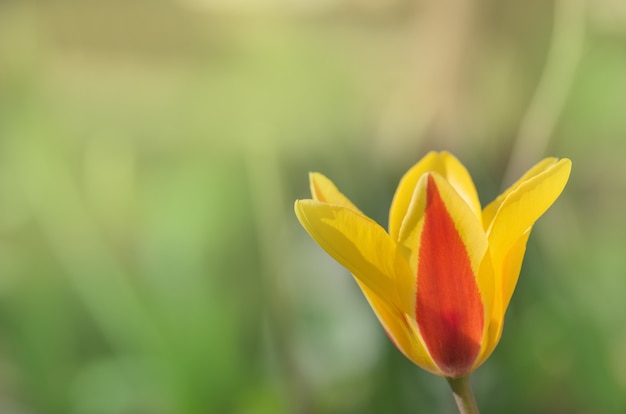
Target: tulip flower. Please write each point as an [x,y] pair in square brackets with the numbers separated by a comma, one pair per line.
[440,280]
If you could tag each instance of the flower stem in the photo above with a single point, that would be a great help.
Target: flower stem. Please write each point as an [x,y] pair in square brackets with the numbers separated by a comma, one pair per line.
[463,395]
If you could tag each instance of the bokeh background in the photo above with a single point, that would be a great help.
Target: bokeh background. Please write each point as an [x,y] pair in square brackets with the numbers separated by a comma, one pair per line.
[151,152]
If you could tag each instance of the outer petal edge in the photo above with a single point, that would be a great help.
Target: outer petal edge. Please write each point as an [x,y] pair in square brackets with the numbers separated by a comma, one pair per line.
[355,241]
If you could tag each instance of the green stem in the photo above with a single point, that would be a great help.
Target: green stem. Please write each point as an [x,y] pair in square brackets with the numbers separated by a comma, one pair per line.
[463,395]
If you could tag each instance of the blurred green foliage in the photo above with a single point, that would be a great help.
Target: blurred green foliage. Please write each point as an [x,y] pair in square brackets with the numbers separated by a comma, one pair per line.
[150,153]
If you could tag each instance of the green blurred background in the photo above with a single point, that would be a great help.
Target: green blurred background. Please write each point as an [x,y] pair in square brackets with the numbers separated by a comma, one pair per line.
[151,151]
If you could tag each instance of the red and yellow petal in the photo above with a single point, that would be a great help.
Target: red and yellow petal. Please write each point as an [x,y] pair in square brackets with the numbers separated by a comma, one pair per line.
[449,309]
[447,248]
[442,163]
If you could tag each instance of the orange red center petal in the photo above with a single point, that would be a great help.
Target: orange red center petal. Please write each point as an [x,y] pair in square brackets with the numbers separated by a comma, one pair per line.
[449,310]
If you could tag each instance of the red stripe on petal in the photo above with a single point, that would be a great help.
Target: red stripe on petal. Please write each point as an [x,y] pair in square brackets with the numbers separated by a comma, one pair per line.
[449,310]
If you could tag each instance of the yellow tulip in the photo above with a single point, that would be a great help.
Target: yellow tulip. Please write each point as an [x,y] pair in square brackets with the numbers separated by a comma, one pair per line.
[440,280]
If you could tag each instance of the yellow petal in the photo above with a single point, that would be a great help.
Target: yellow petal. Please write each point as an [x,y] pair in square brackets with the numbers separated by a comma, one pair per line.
[514,218]
[323,189]
[400,332]
[504,286]
[355,241]
[490,210]
[447,166]
[459,178]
